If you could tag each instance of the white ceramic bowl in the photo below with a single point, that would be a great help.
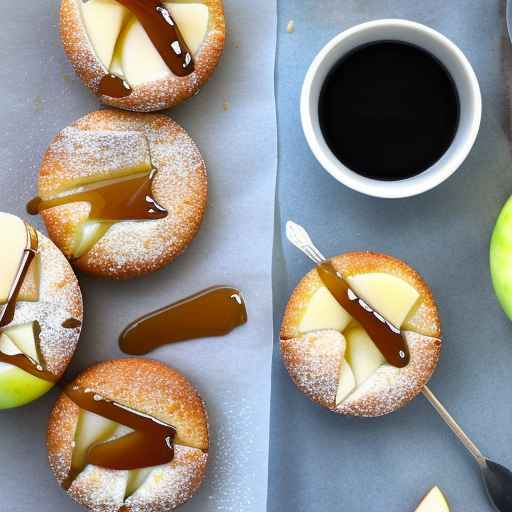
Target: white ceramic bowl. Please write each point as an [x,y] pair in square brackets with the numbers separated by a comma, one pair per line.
[439,46]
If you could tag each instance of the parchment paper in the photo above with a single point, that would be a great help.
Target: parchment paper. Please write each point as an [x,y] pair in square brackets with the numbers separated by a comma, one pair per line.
[40,95]
[321,462]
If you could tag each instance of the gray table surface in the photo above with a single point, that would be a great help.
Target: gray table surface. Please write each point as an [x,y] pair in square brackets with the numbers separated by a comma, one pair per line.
[40,95]
[321,462]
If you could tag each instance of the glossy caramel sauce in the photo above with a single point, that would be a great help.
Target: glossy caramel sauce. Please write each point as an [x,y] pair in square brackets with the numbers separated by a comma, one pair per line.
[114,86]
[166,37]
[126,199]
[71,323]
[151,443]
[213,312]
[386,336]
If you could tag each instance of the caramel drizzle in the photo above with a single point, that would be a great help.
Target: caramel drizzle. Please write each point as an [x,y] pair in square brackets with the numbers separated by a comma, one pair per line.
[213,312]
[164,33]
[114,86]
[127,199]
[152,443]
[385,335]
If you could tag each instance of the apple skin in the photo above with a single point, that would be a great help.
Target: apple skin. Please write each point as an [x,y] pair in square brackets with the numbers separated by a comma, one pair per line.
[18,387]
[501,258]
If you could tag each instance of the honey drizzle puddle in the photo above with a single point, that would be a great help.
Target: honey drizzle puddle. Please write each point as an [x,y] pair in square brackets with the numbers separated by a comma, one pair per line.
[166,37]
[152,443]
[213,312]
[126,199]
[386,336]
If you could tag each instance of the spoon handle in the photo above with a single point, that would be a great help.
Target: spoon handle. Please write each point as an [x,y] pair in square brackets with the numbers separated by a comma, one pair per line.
[456,429]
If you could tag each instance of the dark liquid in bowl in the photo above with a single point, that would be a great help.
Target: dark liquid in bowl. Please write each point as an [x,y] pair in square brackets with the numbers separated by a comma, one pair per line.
[389,110]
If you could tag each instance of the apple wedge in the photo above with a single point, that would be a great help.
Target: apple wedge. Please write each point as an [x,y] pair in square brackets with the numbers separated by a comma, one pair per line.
[14,238]
[434,501]
[140,61]
[24,338]
[346,383]
[91,429]
[392,297]
[362,354]
[192,20]
[103,20]
[88,235]
[324,312]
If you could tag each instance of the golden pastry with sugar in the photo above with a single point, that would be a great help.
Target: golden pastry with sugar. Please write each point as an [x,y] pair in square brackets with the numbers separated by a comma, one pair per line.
[143,56]
[331,357]
[129,435]
[122,194]
[40,313]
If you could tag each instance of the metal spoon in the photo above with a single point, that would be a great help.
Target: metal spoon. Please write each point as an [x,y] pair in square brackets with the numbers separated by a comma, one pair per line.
[497,479]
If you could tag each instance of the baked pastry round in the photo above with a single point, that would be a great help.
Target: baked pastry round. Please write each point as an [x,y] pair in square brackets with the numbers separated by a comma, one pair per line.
[113,145]
[148,387]
[330,357]
[50,299]
[103,36]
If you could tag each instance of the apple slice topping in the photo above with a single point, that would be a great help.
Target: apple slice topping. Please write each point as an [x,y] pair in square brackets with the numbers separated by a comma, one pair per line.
[360,358]
[124,47]
[14,243]
[434,501]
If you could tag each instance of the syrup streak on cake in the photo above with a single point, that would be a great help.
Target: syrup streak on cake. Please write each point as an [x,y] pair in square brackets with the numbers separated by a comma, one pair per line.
[164,33]
[213,312]
[115,200]
[151,444]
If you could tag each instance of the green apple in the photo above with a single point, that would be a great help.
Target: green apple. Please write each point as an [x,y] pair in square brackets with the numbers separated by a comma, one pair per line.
[18,387]
[501,258]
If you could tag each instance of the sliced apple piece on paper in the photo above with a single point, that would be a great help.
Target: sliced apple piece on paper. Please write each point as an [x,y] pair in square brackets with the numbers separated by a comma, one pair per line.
[324,312]
[89,234]
[14,240]
[347,382]
[91,429]
[434,501]
[362,354]
[391,296]
[23,336]
[141,62]
[103,21]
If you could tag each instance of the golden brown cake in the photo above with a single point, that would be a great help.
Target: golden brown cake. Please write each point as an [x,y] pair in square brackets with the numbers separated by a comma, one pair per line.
[104,36]
[331,358]
[150,388]
[47,319]
[110,147]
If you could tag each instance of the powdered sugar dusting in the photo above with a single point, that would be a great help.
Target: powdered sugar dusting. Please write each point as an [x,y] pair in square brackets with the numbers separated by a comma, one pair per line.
[85,156]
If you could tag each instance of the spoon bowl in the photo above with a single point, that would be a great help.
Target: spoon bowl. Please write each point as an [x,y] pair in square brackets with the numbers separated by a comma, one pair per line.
[498,482]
